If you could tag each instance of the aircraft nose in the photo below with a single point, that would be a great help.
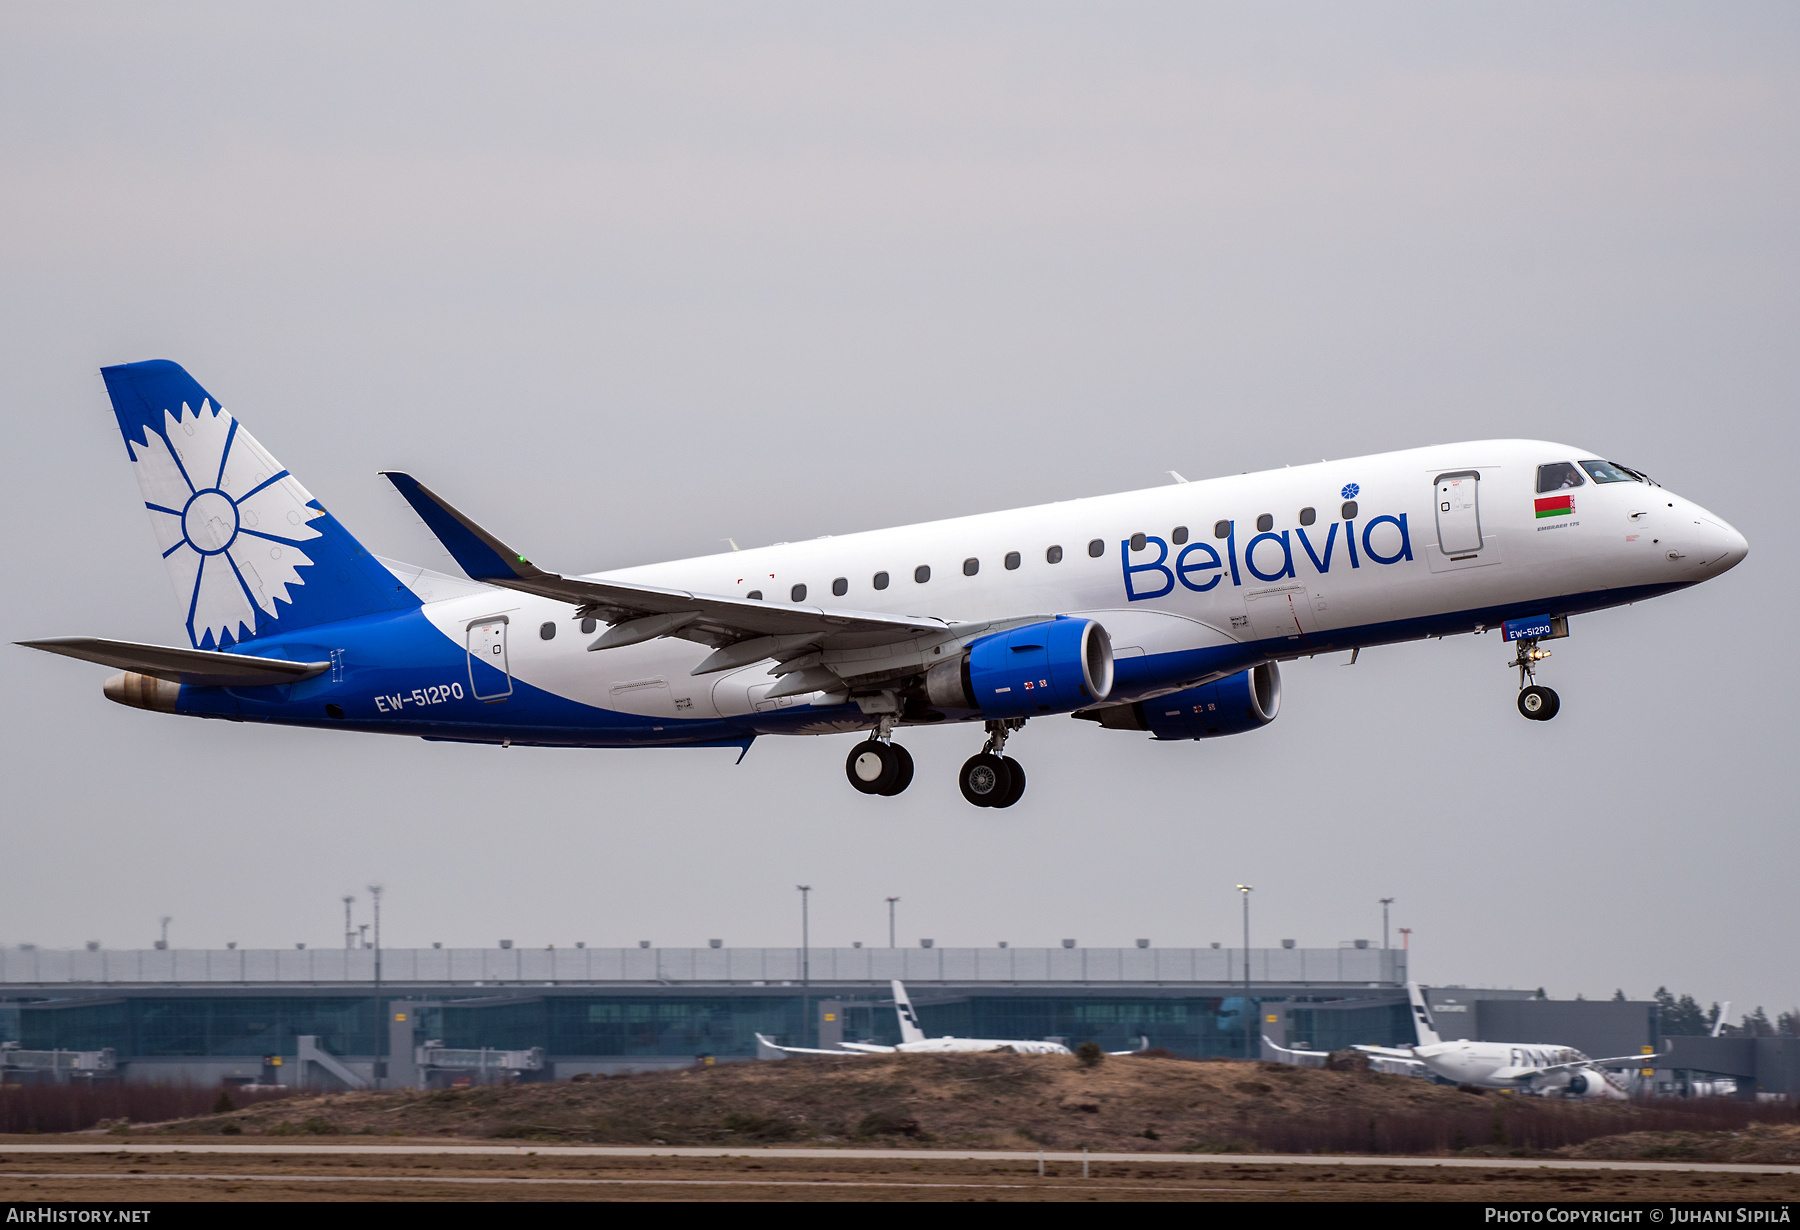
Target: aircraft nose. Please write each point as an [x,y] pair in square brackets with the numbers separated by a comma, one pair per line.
[1725,547]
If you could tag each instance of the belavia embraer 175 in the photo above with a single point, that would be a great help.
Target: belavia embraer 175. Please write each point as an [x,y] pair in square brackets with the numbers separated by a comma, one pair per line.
[1165,610]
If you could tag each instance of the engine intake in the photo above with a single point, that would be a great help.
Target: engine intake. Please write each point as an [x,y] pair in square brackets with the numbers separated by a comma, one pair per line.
[1229,706]
[1050,667]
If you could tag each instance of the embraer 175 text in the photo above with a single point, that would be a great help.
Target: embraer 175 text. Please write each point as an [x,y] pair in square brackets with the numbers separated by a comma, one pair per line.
[1528,1067]
[1165,610]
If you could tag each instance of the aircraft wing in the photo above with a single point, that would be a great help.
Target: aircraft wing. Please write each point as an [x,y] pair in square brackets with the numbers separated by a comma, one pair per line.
[762,1041]
[1513,1074]
[1387,1052]
[1289,1055]
[197,668]
[715,620]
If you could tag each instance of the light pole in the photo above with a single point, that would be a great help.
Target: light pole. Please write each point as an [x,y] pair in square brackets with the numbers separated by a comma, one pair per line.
[380,1012]
[891,901]
[166,920]
[805,964]
[1385,903]
[1244,891]
[349,929]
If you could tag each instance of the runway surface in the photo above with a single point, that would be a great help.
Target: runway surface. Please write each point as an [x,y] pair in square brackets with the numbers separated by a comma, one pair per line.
[973,1155]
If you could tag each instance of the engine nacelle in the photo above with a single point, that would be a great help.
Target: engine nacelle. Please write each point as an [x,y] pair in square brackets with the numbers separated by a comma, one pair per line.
[1229,706]
[1050,667]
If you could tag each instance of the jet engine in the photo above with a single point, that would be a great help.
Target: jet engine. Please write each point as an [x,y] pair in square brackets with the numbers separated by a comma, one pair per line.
[1229,706]
[1587,1083]
[1049,667]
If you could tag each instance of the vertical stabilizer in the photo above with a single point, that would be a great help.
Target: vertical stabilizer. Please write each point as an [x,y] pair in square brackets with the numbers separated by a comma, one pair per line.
[1421,1016]
[909,1020]
[251,552]
[1718,1028]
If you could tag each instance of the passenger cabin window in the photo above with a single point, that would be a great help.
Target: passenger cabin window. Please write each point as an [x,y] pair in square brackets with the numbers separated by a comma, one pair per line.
[922,574]
[881,580]
[1265,523]
[841,586]
[1348,510]
[798,593]
[754,595]
[1053,555]
[588,625]
[1139,541]
[1097,547]
[1178,535]
[1308,516]
[1558,476]
[1221,529]
[971,566]
[547,631]
[1012,560]
[1607,472]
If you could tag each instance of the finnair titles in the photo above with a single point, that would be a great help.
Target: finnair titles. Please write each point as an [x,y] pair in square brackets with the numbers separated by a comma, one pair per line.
[1166,610]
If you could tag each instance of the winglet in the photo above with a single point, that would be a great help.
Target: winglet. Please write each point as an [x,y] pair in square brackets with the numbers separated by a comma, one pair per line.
[479,553]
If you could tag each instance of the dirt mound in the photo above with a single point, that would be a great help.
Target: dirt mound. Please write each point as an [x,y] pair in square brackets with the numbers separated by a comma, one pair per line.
[1758,1142]
[957,1100]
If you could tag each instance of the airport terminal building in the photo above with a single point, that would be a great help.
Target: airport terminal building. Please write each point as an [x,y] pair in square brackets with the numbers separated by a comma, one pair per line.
[335,1018]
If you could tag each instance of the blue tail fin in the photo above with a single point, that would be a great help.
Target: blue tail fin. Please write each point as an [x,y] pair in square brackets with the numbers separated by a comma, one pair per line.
[249,549]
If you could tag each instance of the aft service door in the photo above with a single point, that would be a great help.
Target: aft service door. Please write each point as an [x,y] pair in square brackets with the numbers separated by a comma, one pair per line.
[487,646]
[1459,513]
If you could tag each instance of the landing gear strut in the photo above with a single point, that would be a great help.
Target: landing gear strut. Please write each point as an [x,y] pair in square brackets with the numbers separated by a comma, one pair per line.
[1537,703]
[878,765]
[992,779]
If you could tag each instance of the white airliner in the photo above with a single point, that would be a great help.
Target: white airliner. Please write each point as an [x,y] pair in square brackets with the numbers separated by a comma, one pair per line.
[1525,1067]
[1165,610]
[914,1042]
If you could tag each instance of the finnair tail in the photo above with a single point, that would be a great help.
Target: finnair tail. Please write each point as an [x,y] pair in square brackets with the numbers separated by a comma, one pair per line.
[251,552]
[909,1020]
[1421,1016]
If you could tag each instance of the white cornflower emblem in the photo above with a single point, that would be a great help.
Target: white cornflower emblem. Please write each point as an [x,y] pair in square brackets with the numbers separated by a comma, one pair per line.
[228,518]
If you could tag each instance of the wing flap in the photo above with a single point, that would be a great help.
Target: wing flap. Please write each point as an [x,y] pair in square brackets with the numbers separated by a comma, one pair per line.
[197,668]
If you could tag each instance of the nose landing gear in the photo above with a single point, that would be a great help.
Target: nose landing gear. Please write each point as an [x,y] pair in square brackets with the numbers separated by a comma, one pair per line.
[1535,702]
[992,779]
[878,765]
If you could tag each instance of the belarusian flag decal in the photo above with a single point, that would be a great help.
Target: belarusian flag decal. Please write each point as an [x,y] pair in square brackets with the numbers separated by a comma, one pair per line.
[1555,506]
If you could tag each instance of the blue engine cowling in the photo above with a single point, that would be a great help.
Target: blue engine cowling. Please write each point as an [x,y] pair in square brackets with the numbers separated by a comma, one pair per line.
[1055,666]
[1229,706]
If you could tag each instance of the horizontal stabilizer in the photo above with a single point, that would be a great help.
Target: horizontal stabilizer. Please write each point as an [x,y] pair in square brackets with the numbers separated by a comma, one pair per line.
[197,668]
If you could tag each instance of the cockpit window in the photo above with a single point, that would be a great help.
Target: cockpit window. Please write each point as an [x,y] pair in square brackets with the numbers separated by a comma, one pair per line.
[1610,472]
[1558,476]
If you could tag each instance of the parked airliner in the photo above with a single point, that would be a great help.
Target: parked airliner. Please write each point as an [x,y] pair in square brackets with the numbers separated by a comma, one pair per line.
[914,1042]
[1527,1067]
[1166,610]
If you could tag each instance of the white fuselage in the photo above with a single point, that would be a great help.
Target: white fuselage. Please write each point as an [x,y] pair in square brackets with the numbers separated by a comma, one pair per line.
[1336,583]
[1510,1065]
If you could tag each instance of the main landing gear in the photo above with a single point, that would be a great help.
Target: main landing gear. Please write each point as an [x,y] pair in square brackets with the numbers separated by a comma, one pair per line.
[878,765]
[992,779]
[1537,703]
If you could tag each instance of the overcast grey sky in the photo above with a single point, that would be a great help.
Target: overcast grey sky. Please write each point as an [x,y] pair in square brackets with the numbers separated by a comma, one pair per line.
[625,280]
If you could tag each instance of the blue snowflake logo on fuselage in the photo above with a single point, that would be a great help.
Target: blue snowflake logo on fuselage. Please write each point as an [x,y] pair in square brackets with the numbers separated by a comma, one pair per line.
[1351,490]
